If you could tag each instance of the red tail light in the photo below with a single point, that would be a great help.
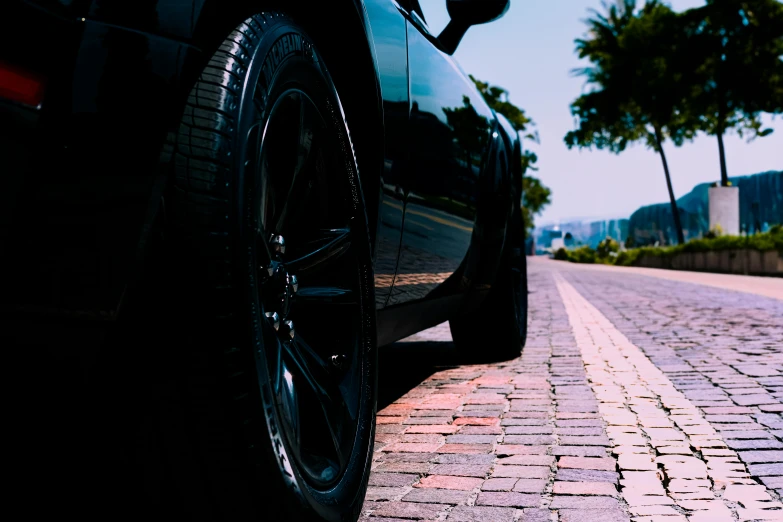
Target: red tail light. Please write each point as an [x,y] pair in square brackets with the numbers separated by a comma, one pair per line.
[20,86]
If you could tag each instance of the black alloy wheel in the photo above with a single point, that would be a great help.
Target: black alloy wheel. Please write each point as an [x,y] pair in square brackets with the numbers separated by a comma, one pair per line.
[267,208]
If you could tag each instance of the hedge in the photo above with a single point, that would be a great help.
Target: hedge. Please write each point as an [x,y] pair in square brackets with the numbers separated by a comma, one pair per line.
[772,240]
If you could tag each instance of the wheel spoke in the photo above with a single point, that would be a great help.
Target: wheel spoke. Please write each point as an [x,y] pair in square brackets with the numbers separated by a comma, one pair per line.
[290,403]
[315,372]
[300,185]
[338,244]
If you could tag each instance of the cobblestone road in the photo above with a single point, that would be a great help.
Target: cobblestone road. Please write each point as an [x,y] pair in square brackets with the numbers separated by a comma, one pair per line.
[636,398]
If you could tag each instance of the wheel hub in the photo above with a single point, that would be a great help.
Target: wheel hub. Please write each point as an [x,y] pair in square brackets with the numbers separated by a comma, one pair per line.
[280,286]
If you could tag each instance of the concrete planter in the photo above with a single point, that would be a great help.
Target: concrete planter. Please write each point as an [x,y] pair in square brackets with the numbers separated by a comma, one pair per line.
[745,261]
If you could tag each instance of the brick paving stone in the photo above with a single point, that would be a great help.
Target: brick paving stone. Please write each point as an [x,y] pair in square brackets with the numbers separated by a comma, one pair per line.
[761,457]
[528,460]
[535,515]
[521,471]
[403,447]
[403,467]
[436,496]
[500,484]
[604,464]
[584,488]
[383,493]
[530,485]
[462,470]
[507,499]
[519,449]
[392,479]
[766,470]
[481,514]
[529,439]
[432,428]
[601,440]
[421,437]
[471,439]
[593,515]
[462,458]
[753,444]
[571,502]
[580,451]
[465,448]
[481,430]
[588,475]
[407,457]
[477,421]
[408,510]
[450,482]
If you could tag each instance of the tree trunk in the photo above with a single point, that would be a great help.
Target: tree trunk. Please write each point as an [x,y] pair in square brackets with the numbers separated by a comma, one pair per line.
[675,210]
[724,173]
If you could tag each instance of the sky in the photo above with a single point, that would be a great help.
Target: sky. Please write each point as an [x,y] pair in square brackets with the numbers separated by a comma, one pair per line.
[530,53]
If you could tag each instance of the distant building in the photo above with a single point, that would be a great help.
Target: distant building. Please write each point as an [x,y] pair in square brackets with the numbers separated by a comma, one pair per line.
[576,233]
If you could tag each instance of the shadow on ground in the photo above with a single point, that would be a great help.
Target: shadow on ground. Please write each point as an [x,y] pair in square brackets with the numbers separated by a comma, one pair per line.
[403,366]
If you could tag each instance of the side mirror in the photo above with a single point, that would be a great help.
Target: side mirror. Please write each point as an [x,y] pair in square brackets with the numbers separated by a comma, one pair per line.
[466,13]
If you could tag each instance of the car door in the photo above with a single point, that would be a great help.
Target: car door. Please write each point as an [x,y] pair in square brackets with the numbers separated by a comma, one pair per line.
[450,132]
[389,34]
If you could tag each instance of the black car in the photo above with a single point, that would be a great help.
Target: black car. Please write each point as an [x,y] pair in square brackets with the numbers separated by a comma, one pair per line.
[213,213]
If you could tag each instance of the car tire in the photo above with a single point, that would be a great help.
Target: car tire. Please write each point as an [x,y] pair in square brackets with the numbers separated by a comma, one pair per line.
[497,330]
[268,225]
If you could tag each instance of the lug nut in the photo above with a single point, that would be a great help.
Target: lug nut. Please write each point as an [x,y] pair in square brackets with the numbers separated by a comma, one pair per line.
[294,284]
[338,360]
[277,243]
[274,319]
[289,327]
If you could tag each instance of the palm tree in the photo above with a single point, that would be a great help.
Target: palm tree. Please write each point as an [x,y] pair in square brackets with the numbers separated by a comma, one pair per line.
[736,48]
[637,89]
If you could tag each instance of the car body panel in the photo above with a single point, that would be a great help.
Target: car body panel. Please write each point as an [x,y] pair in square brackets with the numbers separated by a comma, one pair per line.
[388,27]
[449,145]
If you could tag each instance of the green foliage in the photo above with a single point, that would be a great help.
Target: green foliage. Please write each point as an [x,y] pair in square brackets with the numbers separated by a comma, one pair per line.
[607,247]
[734,67]
[627,257]
[714,232]
[772,240]
[535,195]
[636,86]
[583,254]
[497,99]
